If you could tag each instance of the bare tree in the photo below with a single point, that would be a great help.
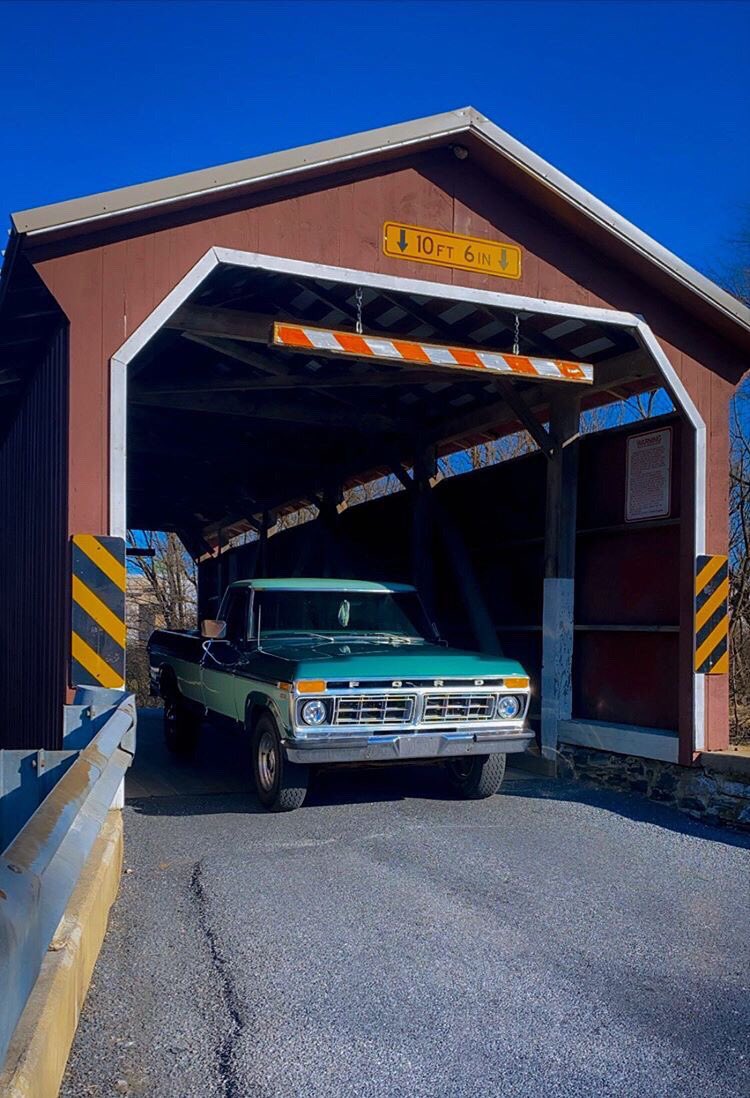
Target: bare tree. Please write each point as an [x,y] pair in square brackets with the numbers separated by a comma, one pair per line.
[735,278]
[170,573]
[735,275]
[739,563]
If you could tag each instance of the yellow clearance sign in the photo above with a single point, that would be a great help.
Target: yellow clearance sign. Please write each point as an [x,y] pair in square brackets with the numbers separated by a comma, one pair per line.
[465,253]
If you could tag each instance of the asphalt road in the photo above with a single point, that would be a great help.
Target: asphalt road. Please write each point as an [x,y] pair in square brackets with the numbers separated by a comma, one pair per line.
[386,940]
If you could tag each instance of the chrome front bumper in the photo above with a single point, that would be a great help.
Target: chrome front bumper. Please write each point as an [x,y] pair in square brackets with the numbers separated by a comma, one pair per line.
[333,747]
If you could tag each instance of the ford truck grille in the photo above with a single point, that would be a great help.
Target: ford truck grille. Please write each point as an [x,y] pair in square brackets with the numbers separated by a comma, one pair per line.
[458,707]
[375,709]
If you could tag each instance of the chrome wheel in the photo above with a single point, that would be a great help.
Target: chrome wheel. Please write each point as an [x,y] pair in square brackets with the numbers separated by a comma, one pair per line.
[281,784]
[267,760]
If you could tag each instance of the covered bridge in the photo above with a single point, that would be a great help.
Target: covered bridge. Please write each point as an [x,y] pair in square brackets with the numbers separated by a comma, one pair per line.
[204,353]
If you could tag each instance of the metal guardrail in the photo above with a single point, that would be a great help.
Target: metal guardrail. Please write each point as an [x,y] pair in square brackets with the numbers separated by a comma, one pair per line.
[41,866]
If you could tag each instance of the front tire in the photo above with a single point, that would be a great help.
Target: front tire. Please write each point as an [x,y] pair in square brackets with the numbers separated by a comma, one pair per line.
[475,777]
[281,785]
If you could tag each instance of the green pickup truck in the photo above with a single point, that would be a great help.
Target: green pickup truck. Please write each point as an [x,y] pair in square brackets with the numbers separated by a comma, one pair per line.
[322,671]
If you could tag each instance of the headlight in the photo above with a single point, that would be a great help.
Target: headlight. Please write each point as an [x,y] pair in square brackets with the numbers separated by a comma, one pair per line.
[314,712]
[508,706]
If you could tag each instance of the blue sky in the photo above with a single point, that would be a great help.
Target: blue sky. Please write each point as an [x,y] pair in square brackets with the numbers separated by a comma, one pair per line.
[645,104]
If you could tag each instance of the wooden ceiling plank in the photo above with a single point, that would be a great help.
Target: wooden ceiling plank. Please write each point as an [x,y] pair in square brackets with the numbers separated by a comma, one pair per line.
[290,411]
[224,323]
[397,377]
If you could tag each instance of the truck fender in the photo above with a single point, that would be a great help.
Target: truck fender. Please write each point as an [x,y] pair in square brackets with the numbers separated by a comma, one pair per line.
[256,703]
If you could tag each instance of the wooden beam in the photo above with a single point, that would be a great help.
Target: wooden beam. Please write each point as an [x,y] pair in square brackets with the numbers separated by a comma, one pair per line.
[237,351]
[286,380]
[397,377]
[466,579]
[17,342]
[402,476]
[562,486]
[422,537]
[493,414]
[546,348]
[328,299]
[623,369]
[290,411]
[425,464]
[226,323]
[525,416]
[421,317]
[193,542]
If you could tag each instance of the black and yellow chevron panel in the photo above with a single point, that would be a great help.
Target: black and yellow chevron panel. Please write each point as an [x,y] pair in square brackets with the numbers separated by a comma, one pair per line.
[97,648]
[711,615]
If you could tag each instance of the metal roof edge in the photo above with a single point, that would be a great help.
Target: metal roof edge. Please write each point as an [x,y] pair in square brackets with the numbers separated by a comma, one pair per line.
[9,259]
[255,170]
[611,221]
[307,159]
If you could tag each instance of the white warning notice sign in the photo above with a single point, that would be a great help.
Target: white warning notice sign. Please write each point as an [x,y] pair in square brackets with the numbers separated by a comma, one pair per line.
[649,475]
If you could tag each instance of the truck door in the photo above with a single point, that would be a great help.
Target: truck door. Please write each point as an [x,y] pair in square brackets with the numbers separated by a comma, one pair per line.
[220,658]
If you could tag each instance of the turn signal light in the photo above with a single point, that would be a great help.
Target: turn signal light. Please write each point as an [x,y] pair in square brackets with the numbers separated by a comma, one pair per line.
[311,686]
[516,684]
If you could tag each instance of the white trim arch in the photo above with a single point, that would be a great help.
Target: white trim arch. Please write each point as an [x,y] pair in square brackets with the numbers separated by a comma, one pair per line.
[216,257]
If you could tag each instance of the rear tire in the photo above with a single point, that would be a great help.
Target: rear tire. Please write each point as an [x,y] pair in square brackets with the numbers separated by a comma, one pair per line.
[475,777]
[182,723]
[281,784]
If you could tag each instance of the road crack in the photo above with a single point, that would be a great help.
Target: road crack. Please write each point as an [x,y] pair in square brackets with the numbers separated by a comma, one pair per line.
[230,1082]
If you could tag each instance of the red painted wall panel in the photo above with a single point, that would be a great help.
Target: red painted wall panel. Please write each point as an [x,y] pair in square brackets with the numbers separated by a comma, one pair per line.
[34,574]
[626,677]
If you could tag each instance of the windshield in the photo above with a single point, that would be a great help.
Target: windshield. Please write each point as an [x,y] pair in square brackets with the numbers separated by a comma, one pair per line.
[336,614]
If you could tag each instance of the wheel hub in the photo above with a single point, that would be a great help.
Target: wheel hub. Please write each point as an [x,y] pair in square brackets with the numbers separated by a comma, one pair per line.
[267,761]
[461,768]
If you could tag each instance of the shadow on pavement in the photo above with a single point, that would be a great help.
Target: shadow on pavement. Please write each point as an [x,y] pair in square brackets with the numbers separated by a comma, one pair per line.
[632,806]
[217,780]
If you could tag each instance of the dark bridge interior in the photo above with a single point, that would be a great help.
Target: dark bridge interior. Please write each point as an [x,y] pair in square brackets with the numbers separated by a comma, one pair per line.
[224,428]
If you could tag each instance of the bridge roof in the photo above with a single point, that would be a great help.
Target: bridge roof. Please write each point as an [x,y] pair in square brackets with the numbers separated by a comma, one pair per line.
[465,127]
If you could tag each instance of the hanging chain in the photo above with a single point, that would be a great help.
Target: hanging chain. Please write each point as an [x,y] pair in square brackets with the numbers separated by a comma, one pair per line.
[517,335]
[358,298]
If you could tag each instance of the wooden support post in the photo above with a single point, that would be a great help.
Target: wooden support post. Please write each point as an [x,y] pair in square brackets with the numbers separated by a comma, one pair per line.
[559,569]
[261,561]
[429,515]
[422,549]
[329,516]
[468,584]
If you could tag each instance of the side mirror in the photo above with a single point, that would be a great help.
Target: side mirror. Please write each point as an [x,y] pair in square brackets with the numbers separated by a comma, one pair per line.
[213,630]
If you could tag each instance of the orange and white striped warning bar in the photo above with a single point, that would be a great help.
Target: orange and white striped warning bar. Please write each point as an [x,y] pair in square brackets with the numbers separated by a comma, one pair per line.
[324,341]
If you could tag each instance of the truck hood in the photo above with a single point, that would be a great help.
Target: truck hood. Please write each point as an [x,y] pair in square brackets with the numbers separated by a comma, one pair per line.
[324,659]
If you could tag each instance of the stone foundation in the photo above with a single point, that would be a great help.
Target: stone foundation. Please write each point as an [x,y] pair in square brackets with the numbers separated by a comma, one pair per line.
[715,790]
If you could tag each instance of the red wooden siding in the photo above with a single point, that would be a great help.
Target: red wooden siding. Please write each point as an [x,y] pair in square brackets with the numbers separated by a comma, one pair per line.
[111,285]
[34,581]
